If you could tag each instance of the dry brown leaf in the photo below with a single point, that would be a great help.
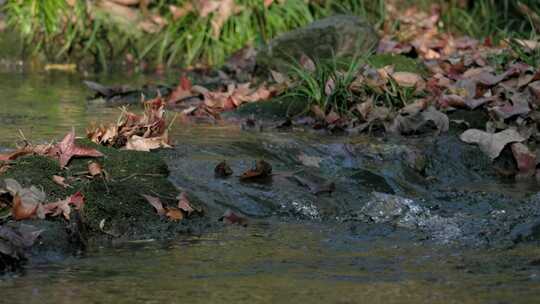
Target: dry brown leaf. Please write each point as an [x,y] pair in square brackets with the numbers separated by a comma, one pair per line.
[174,214]
[139,143]
[22,210]
[60,180]
[491,144]
[94,169]
[156,203]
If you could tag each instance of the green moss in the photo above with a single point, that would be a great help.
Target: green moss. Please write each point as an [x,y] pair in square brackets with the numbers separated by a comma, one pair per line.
[116,199]
[275,108]
[400,63]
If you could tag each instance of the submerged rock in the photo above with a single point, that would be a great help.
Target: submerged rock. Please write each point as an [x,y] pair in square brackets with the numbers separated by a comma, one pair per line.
[336,36]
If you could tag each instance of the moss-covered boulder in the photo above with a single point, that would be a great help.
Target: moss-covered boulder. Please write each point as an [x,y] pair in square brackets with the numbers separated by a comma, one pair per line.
[277,108]
[336,36]
[113,203]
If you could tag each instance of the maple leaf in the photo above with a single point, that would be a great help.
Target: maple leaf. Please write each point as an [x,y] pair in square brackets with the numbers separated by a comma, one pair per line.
[63,206]
[67,149]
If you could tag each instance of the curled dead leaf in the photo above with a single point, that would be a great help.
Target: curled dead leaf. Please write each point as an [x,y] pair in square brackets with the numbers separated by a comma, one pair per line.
[491,144]
[60,180]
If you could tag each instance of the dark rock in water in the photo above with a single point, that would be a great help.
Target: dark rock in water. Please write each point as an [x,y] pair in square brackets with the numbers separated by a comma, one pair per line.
[15,240]
[336,36]
[122,95]
[529,231]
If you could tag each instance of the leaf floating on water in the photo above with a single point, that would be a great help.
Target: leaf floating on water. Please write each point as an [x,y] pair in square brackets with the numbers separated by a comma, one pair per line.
[262,170]
[223,170]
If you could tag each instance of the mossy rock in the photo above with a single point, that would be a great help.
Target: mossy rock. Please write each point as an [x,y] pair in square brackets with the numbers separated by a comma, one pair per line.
[277,108]
[400,63]
[116,199]
[333,37]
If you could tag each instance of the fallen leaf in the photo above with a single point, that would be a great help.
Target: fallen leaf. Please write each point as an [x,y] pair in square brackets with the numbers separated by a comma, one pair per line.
[139,143]
[59,207]
[525,159]
[156,203]
[174,214]
[262,169]
[410,122]
[307,63]
[77,200]
[223,170]
[329,87]
[186,206]
[491,144]
[409,80]
[60,180]
[310,161]
[67,149]
[231,218]
[94,169]
[22,210]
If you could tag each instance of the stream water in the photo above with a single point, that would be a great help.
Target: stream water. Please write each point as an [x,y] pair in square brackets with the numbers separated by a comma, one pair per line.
[453,245]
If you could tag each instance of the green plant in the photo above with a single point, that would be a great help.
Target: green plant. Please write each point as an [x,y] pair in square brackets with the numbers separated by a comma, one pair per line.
[327,86]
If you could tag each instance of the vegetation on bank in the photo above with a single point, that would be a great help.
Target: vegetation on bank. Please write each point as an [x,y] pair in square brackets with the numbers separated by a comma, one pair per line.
[183,32]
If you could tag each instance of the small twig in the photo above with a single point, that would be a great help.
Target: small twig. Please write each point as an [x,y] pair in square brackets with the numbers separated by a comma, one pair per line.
[138,174]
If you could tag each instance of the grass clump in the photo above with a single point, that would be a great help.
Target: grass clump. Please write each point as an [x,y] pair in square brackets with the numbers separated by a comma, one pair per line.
[338,86]
[63,32]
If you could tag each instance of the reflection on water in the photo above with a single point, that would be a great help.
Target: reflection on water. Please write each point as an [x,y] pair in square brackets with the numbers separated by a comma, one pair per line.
[288,263]
[45,106]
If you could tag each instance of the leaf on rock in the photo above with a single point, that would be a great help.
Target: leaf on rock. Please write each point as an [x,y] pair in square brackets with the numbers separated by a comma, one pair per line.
[60,180]
[59,207]
[186,206]
[77,200]
[94,169]
[156,203]
[416,119]
[491,144]
[262,169]
[67,149]
[23,210]
[174,214]
[525,159]
[139,143]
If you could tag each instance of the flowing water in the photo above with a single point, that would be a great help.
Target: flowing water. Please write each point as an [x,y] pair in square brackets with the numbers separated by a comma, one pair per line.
[298,247]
